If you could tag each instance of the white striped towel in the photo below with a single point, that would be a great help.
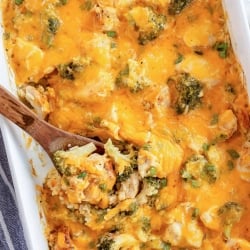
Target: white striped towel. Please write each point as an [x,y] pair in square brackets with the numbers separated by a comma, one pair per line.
[11,232]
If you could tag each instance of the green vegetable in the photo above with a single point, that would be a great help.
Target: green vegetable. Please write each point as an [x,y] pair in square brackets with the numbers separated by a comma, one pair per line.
[113,45]
[122,74]
[166,246]
[50,30]
[103,187]
[106,242]
[222,48]
[233,154]
[126,173]
[146,225]
[82,175]
[157,24]
[132,208]
[87,5]
[134,83]
[147,146]
[230,165]
[124,163]
[230,213]
[53,25]
[195,183]
[209,173]
[111,33]
[152,29]
[179,59]
[62,2]
[214,119]
[196,169]
[189,93]
[18,2]
[219,138]
[152,171]
[157,183]
[195,213]
[176,6]
[69,70]
[60,159]
[130,211]
[205,147]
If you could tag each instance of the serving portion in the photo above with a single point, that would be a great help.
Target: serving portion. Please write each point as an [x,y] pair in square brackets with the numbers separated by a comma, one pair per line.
[159,83]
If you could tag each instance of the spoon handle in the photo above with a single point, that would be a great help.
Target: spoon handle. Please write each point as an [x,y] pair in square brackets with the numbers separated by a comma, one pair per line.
[48,136]
[16,111]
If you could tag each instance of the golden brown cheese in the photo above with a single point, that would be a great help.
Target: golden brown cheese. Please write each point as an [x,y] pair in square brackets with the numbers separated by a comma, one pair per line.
[156,74]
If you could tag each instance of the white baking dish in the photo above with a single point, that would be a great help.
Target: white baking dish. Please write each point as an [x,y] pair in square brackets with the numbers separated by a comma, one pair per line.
[29,164]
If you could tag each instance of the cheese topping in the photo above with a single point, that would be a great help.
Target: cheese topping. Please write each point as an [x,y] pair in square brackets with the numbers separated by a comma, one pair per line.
[159,84]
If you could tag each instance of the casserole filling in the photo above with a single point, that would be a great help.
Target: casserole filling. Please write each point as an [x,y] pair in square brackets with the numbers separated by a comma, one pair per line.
[159,84]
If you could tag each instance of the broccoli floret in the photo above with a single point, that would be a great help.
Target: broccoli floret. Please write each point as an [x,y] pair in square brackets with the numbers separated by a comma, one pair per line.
[230,213]
[196,169]
[209,173]
[67,162]
[62,2]
[189,93]
[146,224]
[148,23]
[126,173]
[122,74]
[222,48]
[124,163]
[158,23]
[157,183]
[176,6]
[53,25]
[18,2]
[133,76]
[106,242]
[69,70]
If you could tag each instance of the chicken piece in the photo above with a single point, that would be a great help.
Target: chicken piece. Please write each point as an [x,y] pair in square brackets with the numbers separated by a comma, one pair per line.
[211,219]
[145,161]
[182,230]
[238,244]
[39,98]
[130,187]
[243,164]
[227,123]
[195,36]
[107,17]
[164,155]
[163,100]
[29,57]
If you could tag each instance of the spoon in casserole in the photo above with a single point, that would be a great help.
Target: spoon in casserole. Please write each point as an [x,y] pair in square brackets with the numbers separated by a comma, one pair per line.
[49,137]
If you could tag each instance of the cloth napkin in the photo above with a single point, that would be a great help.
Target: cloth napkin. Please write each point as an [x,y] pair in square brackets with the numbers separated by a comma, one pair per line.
[11,231]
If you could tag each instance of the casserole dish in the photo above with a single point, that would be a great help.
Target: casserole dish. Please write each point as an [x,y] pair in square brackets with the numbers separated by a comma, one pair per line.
[30,165]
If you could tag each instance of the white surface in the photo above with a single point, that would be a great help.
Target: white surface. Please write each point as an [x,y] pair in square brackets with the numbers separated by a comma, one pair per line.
[23,180]
[240,35]
[247,7]
[19,156]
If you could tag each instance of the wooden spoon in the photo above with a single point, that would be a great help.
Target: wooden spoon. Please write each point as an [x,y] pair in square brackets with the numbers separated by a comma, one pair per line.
[48,136]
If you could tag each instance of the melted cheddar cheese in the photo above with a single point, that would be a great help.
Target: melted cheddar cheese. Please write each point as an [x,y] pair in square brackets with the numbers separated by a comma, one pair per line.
[161,80]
